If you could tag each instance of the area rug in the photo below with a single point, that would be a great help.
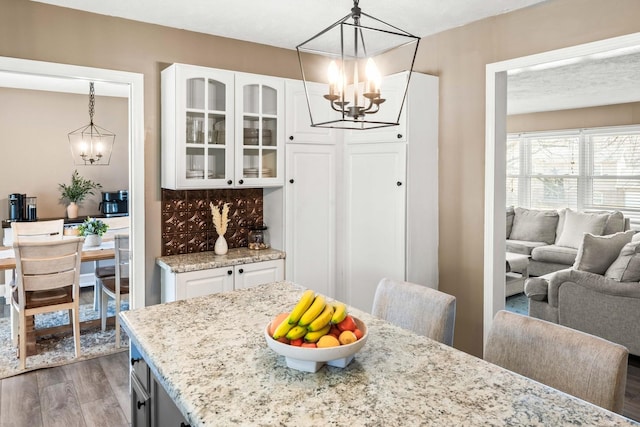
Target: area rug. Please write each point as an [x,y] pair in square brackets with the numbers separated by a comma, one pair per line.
[56,351]
[518,304]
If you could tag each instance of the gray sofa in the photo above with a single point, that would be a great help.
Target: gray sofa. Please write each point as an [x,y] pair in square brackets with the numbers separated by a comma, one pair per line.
[600,295]
[551,238]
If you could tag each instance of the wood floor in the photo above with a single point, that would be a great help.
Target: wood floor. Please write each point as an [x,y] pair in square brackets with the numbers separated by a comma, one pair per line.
[96,393]
[89,393]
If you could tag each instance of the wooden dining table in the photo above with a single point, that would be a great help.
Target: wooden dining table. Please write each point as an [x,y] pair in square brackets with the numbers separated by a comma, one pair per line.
[89,255]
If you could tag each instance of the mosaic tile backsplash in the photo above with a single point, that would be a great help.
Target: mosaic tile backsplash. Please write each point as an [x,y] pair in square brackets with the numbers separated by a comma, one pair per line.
[187,226]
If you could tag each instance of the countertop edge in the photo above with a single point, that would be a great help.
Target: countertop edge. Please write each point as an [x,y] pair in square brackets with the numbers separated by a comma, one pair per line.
[184,263]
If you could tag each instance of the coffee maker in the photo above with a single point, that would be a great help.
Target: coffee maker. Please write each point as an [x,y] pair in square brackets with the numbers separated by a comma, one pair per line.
[115,203]
[16,206]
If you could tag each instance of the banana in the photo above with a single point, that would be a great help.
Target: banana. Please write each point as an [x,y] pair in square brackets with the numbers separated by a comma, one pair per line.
[312,312]
[296,332]
[282,329]
[303,305]
[322,320]
[339,313]
[315,336]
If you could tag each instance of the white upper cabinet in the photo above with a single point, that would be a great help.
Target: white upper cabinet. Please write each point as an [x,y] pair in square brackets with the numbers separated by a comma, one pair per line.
[221,129]
[298,123]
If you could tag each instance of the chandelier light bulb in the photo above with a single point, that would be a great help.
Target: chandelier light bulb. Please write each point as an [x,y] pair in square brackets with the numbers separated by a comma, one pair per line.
[373,76]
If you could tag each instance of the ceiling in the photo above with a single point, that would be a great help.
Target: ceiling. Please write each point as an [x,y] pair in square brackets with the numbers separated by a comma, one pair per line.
[286,23]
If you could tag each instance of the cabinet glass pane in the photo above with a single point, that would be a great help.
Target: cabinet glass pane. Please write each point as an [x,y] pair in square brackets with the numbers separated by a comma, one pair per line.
[216,163]
[195,128]
[251,163]
[251,96]
[195,93]
[195,163]
[269,163]
[216,129]
[250,131]
[269,100]
[217,99]
[269,132]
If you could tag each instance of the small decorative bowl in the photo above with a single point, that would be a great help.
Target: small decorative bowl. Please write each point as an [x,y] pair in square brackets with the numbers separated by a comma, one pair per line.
[311,359]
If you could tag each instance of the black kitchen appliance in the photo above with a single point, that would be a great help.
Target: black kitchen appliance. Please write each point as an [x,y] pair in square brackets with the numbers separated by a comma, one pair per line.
[16,207]
[115,203]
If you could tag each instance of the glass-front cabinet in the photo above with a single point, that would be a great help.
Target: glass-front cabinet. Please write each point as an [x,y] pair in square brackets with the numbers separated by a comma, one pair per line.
[220,129]
[259,131]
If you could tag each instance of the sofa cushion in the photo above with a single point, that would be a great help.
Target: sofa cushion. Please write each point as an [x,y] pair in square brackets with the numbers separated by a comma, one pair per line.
[578,223]
[510,214]
[615,223]
[522,247]
[554,253]
[562,214]
[597,253]
[536,288]
[534,225]
[626,268]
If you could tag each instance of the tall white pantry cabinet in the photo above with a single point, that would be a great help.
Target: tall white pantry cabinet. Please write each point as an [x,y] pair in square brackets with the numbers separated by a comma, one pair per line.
[379,216]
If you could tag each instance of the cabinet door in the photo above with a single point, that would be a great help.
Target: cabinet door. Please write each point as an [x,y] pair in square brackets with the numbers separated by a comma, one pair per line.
[298,121]
[311,216]
[197,127]
[374,219]
[258,273]
[165,413]
[140,404]
[392,89]
[259,131]
[204,282]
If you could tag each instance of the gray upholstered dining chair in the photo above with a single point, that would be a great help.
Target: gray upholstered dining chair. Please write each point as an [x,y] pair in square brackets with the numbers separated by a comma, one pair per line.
[569,360]
[418,308]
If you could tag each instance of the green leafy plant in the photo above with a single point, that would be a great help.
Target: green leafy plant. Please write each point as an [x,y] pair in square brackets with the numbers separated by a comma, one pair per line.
[79,188]
[92,226]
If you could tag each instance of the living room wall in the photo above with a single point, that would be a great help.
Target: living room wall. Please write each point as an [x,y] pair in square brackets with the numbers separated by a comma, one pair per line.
[37,31]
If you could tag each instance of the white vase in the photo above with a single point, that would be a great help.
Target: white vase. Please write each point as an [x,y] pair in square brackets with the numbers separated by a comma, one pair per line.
[92,240]
[220,248]
[72,210]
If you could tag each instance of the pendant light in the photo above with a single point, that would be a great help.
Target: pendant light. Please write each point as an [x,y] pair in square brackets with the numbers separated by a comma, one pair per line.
[358,52]
[91,144]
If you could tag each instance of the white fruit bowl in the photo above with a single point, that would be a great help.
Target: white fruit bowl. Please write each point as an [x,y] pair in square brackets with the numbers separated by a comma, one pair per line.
[311,359]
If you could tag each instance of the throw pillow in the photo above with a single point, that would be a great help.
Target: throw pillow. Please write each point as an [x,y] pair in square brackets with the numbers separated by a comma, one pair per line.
[597,253]
[615,222]
[578,223]
[534,225]
[562,213]
[626,268]
[510,214]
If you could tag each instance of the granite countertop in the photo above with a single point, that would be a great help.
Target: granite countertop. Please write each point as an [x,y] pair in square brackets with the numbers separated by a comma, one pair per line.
[205,260]
[210,355]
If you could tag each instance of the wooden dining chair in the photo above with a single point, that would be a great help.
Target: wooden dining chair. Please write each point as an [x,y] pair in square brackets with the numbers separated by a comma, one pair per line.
[569,360]
[418,308]
[47,280]
[117,286]
[37,230]
[117,225]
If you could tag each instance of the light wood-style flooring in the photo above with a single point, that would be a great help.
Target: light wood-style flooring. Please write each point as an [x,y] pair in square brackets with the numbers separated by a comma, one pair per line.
[96,393]
[90,393]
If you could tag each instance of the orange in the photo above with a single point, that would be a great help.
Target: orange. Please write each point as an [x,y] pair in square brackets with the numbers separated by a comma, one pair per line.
[327,341]
[276,322]
[347,337]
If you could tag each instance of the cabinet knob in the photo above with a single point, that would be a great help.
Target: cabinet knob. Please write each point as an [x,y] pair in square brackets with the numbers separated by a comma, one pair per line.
[185,425]
[399,136]
[241,271]
[229,182]
[134,360]
[398,183]
[291,138]
[141,404]
[291,180]
[229,272]
[241,181]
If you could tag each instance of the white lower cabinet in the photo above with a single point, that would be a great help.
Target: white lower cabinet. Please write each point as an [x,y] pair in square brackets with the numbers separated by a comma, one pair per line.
[177,286]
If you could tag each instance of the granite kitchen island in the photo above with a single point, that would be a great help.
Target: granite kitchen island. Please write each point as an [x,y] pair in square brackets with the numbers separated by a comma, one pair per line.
[210,357]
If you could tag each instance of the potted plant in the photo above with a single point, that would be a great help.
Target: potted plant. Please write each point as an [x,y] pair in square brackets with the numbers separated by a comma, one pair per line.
[92,229]
[76,192]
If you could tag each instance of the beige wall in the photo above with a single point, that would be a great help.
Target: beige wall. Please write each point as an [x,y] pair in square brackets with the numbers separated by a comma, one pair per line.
[579,118]
[35,31]
[35,150]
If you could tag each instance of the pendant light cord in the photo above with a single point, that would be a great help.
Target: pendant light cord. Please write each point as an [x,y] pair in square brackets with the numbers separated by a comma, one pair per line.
[92,102]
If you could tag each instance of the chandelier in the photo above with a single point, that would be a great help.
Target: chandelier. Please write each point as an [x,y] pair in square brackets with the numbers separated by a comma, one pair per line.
[91,144]
[358,52]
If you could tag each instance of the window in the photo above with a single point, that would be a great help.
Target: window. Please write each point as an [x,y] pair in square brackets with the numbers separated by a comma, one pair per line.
[594,169]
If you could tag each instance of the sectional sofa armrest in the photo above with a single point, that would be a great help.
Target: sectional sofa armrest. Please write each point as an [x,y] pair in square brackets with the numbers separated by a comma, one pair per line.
[590,281]
[536,288]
